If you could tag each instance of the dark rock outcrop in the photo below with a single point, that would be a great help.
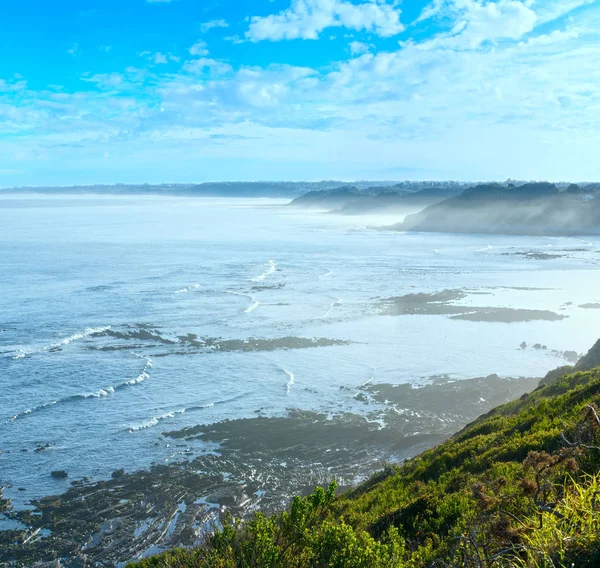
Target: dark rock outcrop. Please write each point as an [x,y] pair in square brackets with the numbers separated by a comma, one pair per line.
[589,361]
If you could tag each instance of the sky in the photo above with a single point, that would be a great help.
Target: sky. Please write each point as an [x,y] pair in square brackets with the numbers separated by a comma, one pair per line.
[134,91]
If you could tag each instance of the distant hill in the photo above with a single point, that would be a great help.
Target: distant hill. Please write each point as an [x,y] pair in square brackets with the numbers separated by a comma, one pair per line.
[397,198]
[531,208]
[281,189]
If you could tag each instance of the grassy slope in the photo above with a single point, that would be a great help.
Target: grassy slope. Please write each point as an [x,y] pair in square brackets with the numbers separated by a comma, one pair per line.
[505,491]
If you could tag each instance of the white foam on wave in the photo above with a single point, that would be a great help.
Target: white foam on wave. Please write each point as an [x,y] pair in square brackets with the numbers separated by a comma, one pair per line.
[187,289]
[139,379]
[272,266]
[488,248]
[34,409]
[253,305]
[144,375]
[154,421]
[291,380]
[327,274]
[98,394]
[22,353]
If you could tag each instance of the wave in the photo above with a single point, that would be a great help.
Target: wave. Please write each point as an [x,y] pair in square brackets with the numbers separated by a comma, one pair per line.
[488,248]
[144,375]
[90,331]
[253,305]
[327,274]
[187,289]
[100,393]
[291,380]
[34,409]
[272,266]
[139,379]
[201,407]
[155,420]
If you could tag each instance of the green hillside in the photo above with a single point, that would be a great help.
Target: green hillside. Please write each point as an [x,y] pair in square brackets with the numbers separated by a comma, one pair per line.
[517,487]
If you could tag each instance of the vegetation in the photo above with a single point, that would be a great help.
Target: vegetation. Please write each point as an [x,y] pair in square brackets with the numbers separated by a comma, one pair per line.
[518,487]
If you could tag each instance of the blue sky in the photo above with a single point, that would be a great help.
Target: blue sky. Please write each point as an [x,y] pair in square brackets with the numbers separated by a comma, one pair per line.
[104,91]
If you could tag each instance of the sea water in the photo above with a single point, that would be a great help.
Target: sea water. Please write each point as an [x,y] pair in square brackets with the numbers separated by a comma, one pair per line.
[96,293]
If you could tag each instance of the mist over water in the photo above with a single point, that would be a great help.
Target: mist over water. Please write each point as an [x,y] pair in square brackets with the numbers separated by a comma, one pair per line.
[121,318]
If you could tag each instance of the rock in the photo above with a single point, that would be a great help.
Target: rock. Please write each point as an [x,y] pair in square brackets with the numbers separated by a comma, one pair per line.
[523,345]
[21,489]
[118,473]
[59,474]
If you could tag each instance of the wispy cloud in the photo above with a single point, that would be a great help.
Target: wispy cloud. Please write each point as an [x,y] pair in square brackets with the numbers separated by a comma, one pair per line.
[206,26]
[199,48]
[494,90]
[306,19]
[159,58]
[358,48]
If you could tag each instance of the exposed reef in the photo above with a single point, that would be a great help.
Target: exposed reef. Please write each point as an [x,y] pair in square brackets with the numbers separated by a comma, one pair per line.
[443,303]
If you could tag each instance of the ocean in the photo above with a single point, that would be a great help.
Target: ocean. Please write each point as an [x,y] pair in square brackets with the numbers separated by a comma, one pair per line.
[125,317]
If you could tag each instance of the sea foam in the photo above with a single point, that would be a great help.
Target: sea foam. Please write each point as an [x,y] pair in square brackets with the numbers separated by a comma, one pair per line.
[187,289]
[272,266]
[22,353]
[291,380]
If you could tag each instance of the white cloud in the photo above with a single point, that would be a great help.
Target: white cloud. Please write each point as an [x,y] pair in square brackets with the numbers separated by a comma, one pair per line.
[475,22]
[105,80]
[358,48]
[486,100]
[73,50]
[12,86]
[549,10]
[430,11]
[159,58]
[554,37]
[206,26]
[306,19]
[199,49]
[504,19]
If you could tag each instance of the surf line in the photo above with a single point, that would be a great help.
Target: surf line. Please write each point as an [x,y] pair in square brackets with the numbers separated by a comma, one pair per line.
[272,266]
[291,380]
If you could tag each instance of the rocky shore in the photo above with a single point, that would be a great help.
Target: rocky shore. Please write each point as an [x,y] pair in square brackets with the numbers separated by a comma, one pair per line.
[256,463]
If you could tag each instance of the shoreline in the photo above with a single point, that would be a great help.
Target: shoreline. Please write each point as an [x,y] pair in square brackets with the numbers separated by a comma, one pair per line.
[259,463]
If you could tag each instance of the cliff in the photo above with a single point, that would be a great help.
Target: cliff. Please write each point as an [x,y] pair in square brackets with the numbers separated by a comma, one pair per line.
[534,208]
